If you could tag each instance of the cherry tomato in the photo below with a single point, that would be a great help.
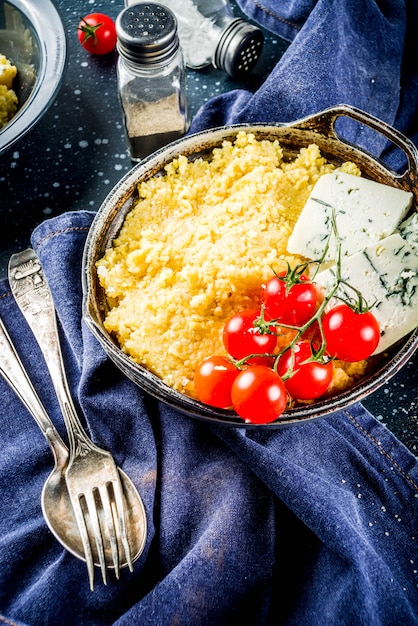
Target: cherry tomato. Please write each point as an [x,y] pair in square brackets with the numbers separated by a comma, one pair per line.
[258,395]
[241,338]
[294,306]
[310,380]
[350,336]
[97,33]
[213,381]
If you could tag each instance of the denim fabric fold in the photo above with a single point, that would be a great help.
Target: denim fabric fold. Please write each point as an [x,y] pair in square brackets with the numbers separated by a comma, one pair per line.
[311,524]
[342,52]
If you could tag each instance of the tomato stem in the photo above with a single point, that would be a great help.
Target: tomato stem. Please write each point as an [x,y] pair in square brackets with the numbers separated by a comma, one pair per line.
[89,30]
[292,277]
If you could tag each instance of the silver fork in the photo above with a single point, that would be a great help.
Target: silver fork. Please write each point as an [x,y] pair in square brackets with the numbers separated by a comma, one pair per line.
[92,476]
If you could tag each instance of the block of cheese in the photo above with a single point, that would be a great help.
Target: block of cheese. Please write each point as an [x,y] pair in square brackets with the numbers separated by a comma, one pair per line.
[409,230]
[365,212]
[386,274]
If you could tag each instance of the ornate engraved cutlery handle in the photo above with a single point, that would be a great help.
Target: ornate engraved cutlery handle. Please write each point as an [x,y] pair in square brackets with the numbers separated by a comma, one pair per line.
[33,296]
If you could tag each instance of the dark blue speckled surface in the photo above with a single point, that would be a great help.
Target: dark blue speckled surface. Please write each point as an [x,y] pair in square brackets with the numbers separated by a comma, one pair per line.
[76,154]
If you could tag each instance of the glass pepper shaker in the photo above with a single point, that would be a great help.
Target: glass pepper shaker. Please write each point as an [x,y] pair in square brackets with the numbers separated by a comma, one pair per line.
[151,78]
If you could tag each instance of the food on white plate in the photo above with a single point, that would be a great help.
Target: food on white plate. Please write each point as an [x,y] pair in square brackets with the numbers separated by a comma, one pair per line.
[8,97]
[365,212]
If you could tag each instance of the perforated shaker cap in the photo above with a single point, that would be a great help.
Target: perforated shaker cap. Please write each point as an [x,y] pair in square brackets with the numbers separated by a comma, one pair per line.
[147,33]
[239,48]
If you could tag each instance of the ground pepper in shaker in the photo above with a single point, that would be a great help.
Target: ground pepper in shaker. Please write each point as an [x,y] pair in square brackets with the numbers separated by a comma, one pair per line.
[151,78]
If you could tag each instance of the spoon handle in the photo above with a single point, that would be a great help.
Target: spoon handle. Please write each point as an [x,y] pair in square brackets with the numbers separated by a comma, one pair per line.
[14,373]
[33,296]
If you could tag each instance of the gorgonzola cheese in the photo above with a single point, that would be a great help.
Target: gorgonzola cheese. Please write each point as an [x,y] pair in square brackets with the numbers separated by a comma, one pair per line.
[365,212]
[386,274]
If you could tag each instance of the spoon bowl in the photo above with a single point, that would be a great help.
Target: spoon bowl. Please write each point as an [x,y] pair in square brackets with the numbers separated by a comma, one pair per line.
[59,515]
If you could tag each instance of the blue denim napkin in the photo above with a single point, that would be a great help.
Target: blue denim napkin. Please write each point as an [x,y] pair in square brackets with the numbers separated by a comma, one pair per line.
[316,524]
[358,52]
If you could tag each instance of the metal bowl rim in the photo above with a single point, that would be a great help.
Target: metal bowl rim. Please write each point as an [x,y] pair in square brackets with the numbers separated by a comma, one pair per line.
[54,59]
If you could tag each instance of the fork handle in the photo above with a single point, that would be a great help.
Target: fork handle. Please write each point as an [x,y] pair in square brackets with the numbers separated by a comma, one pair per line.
[33,296]
[14,373]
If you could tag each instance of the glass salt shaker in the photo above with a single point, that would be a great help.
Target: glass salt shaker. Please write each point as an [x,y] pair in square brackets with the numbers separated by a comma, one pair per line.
[151,78]
[211,34]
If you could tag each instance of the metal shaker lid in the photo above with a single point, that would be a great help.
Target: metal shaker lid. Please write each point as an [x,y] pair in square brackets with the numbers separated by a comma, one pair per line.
[239,48]
[147,33]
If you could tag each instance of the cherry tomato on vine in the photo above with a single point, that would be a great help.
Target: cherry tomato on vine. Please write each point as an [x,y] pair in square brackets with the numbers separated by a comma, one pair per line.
[258,394]
[213,381]
[313,334]
[241,338]
[310,380]
[294,306]
[350,336]
[97,33]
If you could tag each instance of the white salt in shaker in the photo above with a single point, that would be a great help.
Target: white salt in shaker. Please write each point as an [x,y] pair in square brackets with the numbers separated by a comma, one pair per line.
[211,34]
[151,78]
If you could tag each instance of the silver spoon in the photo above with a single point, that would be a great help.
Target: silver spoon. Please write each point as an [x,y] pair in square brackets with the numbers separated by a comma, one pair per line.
[56,504]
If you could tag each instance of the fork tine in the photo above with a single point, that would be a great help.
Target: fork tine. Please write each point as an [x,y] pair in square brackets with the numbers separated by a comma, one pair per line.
[95,523]
[120,508]
[110,525]
[81,522]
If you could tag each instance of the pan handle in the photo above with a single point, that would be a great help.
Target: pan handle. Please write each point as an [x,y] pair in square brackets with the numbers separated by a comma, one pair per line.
[324,122]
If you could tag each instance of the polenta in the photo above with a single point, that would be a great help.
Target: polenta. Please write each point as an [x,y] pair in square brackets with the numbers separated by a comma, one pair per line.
[8,97]
[196,247]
